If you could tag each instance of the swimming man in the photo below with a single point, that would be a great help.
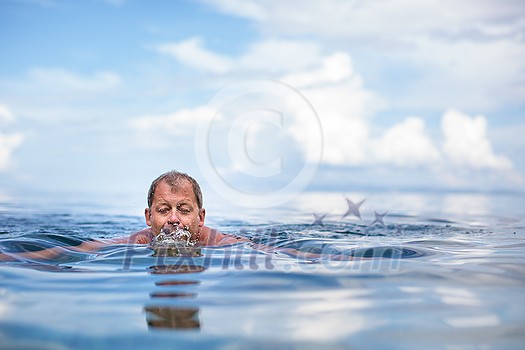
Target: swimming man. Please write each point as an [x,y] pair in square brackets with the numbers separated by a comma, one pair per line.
[175,208]
[175,205]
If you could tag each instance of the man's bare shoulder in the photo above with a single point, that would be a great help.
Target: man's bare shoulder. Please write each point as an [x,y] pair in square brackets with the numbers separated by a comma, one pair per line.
[141,237]
[212,237]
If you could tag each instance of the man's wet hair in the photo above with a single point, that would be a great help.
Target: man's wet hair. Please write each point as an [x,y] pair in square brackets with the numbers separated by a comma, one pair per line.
[175,179]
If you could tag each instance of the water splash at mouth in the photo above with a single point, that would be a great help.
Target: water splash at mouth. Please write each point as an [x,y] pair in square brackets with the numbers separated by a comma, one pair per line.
[169,238]
[176,242]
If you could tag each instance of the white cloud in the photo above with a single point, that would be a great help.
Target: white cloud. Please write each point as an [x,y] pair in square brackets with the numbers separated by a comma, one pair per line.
[54,95]
[406,144]
[248,9]
[56,78]
[346,108]
[398,19]
[8,141]
[466,143]
[192,53]
[5,114]
[466,73]
[334,68]
[181,122]
[279,56]
[270,56]
[469,53]
[343,106]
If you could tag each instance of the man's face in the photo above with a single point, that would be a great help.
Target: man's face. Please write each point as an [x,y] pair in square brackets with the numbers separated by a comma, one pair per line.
[175,207]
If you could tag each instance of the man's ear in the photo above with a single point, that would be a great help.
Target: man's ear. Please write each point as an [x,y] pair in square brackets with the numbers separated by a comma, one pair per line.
[147,215]
[202,214]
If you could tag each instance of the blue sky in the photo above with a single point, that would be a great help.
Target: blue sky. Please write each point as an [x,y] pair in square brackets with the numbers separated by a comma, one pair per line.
[102,96]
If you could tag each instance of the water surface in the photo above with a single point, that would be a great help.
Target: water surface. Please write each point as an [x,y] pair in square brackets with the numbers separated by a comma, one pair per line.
[442,272]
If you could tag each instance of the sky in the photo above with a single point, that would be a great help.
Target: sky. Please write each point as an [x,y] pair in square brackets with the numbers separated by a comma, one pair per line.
[257,99]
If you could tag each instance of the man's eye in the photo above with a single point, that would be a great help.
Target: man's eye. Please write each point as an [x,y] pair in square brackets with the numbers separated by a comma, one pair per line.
[184,210]
[163,210]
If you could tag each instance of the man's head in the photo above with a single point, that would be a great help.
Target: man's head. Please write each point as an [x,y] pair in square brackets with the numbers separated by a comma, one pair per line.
[174,179]
[175,200]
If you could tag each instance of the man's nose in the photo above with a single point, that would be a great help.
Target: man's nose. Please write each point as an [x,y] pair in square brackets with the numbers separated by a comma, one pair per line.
[173,219]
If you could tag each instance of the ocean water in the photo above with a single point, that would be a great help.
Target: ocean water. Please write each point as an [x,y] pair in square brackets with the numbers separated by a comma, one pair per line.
[436,271]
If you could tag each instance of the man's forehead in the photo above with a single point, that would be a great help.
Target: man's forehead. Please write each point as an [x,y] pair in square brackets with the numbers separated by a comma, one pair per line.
[181,187]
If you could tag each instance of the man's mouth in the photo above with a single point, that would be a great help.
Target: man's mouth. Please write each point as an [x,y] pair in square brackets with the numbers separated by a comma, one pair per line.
[173,236]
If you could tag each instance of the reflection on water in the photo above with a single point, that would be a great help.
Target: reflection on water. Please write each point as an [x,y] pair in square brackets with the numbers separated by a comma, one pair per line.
[172,317]
[415,282]
[175,269]
[168,316]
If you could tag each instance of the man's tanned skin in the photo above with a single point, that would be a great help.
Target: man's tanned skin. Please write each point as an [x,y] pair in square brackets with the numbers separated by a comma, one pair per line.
[174,201]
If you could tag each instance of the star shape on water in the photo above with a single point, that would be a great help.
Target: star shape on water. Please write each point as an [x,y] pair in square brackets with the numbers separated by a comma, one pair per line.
[318,219]
[353,208]
[379,219]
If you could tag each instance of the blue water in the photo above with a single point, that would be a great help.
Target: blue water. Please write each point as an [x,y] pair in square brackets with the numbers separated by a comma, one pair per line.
[445,271]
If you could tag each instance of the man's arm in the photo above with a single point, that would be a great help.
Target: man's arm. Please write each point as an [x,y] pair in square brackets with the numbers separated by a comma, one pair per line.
[50,253]
[142,237]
